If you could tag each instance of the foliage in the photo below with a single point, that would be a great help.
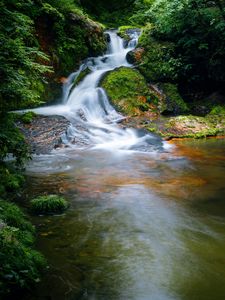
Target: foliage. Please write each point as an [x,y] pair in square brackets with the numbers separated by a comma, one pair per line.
[13,153]
[196,30]
[26,117]
[20,265]
[12,141]
[158,62]
[49,204]
[127,90]
[22,73]
[112,13]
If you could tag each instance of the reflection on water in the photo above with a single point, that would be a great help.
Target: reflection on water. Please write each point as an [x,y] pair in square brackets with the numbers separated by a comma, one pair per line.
[140,226]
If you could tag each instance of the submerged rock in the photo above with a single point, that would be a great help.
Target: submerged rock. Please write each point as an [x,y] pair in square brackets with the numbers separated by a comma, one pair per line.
[44,133]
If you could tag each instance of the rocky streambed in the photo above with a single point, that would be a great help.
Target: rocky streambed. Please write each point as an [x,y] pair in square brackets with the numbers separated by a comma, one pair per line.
[44,133]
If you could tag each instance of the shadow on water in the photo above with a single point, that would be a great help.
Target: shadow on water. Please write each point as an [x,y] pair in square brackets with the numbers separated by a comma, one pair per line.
[140,225]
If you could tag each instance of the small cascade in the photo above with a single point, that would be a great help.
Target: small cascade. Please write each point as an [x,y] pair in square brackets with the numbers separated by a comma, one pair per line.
[86,106]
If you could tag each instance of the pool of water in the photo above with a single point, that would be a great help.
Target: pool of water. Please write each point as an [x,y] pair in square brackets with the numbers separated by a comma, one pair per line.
[142,226]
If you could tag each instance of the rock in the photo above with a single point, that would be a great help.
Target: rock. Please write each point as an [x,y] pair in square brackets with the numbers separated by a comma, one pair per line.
[173,103]
[107,37]
[43,133]
[135,56]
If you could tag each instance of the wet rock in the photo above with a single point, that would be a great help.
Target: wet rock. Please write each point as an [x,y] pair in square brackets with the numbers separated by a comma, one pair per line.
[107,37]
[135,56]
[44,133]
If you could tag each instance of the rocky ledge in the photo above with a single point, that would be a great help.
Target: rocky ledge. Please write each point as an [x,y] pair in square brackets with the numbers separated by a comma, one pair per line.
[44,133]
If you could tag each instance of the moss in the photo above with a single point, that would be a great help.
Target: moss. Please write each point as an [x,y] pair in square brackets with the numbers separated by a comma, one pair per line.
[173,104]
[80,77]
[127,90]
[123,32]
[49,204]
[188,126]
[20,265]
[218,110]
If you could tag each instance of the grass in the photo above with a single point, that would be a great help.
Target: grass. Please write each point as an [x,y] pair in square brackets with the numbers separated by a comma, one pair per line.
[50,204]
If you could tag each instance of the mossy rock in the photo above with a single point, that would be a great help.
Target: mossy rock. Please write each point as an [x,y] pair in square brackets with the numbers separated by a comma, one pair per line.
[80,77]
[188,126]
[50,204]
[173,103]
[127,90]
[125,31]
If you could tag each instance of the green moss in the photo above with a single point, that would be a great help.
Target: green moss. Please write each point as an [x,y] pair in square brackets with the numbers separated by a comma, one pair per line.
[128,91]
[173,104]
[218,110]
[188,126]
[80,77]
[122,32]
[20,265]
[49,204]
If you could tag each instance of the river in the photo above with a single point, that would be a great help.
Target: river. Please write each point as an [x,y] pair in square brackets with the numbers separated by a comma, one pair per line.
[146,217]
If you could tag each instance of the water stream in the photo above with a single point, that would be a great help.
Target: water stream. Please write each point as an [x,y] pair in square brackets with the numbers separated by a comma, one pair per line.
[93,119]
[146,218]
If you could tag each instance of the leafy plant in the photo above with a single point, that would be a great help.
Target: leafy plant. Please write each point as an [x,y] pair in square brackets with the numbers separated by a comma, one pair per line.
[20,265]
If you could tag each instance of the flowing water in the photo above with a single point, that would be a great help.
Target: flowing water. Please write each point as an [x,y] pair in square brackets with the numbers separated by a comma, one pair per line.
[146,217]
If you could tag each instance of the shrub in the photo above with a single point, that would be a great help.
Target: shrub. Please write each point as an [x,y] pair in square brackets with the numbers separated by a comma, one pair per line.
[49,204]
[28,117]
[20,265]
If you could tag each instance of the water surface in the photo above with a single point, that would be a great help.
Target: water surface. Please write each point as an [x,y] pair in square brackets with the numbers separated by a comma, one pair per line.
[140,225]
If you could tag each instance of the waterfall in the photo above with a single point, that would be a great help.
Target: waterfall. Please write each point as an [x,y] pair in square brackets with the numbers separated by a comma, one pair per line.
[86,106]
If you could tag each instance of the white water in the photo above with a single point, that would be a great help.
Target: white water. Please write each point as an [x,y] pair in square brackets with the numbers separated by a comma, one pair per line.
[94,120]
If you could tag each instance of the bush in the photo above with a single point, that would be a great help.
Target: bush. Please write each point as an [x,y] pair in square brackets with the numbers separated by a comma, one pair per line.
[20,265]
[28,117]
[49,204]
[158,62]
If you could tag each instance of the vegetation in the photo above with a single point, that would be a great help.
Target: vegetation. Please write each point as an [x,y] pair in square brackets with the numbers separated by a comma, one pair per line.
[112,13]
[184,43]
[40,41]
[127,90]
[20,265]
[13,153]
[49,204]
[181,48]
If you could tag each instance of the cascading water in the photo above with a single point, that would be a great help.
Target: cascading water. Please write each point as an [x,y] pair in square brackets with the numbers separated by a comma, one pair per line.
[93,119]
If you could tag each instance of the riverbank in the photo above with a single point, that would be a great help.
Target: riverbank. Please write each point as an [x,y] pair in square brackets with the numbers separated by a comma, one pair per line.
[44,133]
[180,126]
